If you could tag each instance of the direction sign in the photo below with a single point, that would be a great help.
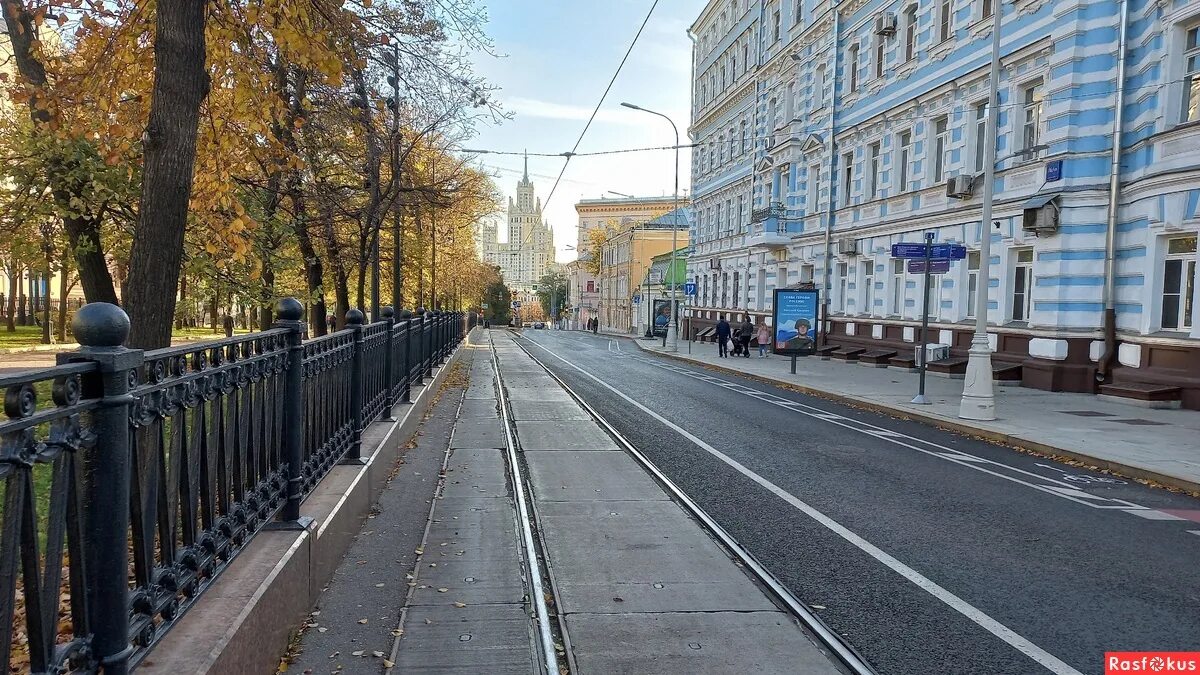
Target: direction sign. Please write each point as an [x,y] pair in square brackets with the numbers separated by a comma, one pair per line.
[936,266]
[689,288]
[951,251]
[483,305]
[908,250]
[516,304]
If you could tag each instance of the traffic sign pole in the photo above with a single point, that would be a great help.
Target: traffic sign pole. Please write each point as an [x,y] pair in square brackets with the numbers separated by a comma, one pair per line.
[920,398]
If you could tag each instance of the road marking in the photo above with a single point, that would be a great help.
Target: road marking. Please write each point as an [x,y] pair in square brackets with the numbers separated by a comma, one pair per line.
[1008,635]
[1195,532]
[981,464]
[1150,514]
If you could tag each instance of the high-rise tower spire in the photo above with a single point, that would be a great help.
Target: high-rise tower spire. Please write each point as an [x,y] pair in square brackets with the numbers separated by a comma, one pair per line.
[526,178]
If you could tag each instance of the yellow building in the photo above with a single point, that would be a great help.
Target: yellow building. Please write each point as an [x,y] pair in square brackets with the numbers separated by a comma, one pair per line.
[624,259]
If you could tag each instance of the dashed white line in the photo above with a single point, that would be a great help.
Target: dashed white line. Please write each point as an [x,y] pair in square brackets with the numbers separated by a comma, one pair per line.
[1008,635]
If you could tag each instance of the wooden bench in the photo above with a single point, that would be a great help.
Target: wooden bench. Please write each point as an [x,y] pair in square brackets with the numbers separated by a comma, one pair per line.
[905,363]
[954,367]
[825,351]
[847,354]
[1007,374]
[1143,394]
[876,358]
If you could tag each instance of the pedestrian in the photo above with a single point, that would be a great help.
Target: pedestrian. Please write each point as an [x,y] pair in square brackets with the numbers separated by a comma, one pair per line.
[723,334]
[764,338]
[747,332]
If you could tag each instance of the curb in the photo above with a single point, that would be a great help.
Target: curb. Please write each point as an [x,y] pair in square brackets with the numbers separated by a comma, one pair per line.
[1017,442]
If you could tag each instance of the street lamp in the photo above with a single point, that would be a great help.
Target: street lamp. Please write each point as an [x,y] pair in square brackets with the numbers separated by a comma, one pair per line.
[672,339]
[979,396]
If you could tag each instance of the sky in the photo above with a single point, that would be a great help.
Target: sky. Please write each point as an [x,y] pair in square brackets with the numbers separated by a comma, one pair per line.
[555,58]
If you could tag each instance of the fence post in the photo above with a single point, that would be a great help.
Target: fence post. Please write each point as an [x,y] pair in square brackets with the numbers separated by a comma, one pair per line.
[101,329]
[389,376]
[289,315]
[426,342]
[406,317]
[439,320]
[354,321]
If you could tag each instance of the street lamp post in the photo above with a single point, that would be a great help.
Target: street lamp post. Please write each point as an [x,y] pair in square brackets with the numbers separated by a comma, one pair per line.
[672,330]
[979,396]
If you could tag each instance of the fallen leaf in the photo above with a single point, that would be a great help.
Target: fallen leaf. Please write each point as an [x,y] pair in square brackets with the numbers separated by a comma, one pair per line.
[362,620]
[398,632]
[377,655]
[460,604]
[378,585]
[443,590]
[428,621]
[357,653]
[387,664]
[322,629]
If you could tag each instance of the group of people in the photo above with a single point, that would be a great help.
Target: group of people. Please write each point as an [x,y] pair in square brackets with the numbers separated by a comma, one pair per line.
[738,339]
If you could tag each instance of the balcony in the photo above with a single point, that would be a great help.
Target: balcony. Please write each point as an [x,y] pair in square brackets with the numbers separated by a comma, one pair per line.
[774,211]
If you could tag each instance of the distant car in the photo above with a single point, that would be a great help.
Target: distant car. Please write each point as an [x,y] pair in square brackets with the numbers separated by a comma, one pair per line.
[539,324]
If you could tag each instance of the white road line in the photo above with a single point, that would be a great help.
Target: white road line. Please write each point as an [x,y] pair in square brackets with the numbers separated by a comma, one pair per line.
[1008,635]
[1195,532]
[940,451]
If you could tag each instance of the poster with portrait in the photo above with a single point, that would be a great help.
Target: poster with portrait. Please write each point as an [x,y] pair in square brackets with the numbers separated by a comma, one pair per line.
[660,316]
[794,321]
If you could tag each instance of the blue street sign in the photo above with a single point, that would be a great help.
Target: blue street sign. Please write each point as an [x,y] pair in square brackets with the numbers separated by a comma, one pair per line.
[936,266]
[908,250]
[516,304]
[1054,171]
[689,288]
[637,299]
[951,251]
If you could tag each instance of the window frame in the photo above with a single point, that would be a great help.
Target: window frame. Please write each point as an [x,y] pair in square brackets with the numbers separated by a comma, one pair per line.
[848,173]
[972,282]
[1023,270]
[852,55]
[939,145]
[1185,293]
[880,60]
[899,274]
[910,33]
[979,138]
[874,168]
[903,160]
[1037,105]
[1190,77]
[868,286]
[945,27]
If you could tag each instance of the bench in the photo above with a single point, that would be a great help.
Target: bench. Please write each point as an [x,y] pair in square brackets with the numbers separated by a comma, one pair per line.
[906,363]
[825,351]
[1144,394]
[876,358]
[1007,374]
[847,354]
[954,368]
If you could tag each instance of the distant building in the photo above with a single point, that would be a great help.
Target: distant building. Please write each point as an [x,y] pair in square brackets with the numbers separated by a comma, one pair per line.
[625,259]
[528,254]
[613,215]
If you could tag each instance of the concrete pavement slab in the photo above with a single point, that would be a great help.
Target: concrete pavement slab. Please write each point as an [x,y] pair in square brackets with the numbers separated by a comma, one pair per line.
[494,639]
[538,394]
[553,435]
[698,644]
[561,411]
[477,433]
[479,408]
[572,475]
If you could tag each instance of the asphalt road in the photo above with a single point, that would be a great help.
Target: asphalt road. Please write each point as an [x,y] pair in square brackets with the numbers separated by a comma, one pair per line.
[929,551]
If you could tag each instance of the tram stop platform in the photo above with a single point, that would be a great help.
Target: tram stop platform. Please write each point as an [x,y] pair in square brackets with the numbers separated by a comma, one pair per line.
[593,567]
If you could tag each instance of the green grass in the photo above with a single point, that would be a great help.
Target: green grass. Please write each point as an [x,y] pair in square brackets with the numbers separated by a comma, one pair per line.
[25,336]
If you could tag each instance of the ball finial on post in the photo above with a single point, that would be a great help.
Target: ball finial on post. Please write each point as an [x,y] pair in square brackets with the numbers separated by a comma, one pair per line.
[387,312]
[289,309]
[355,317]
[100,324]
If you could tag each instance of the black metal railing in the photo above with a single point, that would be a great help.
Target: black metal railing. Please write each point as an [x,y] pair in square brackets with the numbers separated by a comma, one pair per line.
[129,480]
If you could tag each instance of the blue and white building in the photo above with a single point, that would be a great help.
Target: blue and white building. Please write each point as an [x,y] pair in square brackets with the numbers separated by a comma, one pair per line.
[827,131]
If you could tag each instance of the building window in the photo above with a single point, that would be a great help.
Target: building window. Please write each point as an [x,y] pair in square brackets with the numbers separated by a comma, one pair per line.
[972,282]
[725,289]
[985,9]
[945,19]
[737,276]
[1179,283]
[903,160]
[910,33]
[868,284]
[778,25]
[1191,78]
[847,177]
[897,306]
[591,286]
[740,215]
[811,202]
[979,139]
[1022,289]
[745,137]
[852,69]
[880,54]
[941,140]
[1031,121]
[819,85]
[842,285]
[873,167]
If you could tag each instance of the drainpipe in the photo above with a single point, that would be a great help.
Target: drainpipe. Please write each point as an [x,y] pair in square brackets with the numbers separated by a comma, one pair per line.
[831,215]
[1104,370]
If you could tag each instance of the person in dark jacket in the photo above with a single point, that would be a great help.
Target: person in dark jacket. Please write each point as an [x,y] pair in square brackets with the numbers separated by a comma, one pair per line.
[746,332]
[723,334]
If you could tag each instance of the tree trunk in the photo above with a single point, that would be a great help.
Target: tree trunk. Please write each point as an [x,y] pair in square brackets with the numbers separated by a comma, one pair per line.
[371,214]
[64,288]
[266,315]
[314,270]
[180,85]
[10,314]
[341,280]
[420,250]
[45,299]
[214,311]
[433,259]
[22,318]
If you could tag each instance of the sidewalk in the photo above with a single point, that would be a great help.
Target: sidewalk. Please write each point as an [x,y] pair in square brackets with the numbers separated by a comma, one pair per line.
[1159,445]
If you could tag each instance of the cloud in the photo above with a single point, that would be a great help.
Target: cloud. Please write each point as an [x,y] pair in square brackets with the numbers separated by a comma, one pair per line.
[532,107]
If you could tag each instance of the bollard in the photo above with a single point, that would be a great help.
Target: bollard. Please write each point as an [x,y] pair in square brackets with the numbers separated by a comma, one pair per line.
[101,329]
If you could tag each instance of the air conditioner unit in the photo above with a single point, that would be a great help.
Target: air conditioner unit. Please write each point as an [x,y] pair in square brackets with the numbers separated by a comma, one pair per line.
[848,246]
[934,352]
[959,186]
[1040,215]
[885,24]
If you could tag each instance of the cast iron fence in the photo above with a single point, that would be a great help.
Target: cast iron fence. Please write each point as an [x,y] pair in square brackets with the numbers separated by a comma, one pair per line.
[129,480]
